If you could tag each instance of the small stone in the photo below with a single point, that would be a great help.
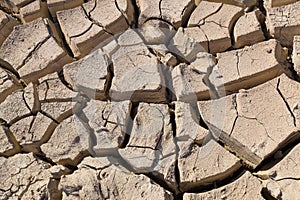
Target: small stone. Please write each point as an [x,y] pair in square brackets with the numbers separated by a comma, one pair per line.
[274,189]
[58,170]
[170,60]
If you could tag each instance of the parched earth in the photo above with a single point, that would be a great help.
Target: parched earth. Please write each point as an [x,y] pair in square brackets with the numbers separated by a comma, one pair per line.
[150,99]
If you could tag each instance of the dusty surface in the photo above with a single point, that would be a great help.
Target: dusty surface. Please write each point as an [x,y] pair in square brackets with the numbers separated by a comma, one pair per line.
[138,99]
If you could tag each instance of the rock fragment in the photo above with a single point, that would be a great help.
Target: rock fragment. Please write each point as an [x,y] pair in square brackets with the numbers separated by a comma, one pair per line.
[52,101]
[185,47]
[282,181]
[22,41]
[83,36]
[55,97]
[199,36]
[15,105]
[188,125]
[41,62]
[30,129]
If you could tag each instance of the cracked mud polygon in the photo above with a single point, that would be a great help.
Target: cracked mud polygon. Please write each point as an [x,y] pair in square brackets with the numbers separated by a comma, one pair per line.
[138,99]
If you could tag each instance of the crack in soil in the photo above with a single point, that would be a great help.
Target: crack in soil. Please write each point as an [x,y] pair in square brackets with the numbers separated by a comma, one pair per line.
[286,103]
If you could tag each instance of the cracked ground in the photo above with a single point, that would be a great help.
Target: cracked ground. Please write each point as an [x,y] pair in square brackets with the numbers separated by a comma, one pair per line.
[160,99]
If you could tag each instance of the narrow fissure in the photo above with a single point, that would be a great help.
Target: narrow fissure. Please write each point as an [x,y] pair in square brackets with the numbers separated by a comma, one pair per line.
[56,29]
[53,125]
[109,78]
[136,14]
[202,20]
[196,115]
[262,20]
[12,73]
[159,8]
[286,103]
[123,14]
[284,148]
[43,157]
[187,13]
[129,123]
[212,89]
[161,19]
[97,23]
[290,71]
[32,52]
[232,26]
[83,32]
[249,159]
[61,77]
[174,130]
[167,76]
[266,194]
